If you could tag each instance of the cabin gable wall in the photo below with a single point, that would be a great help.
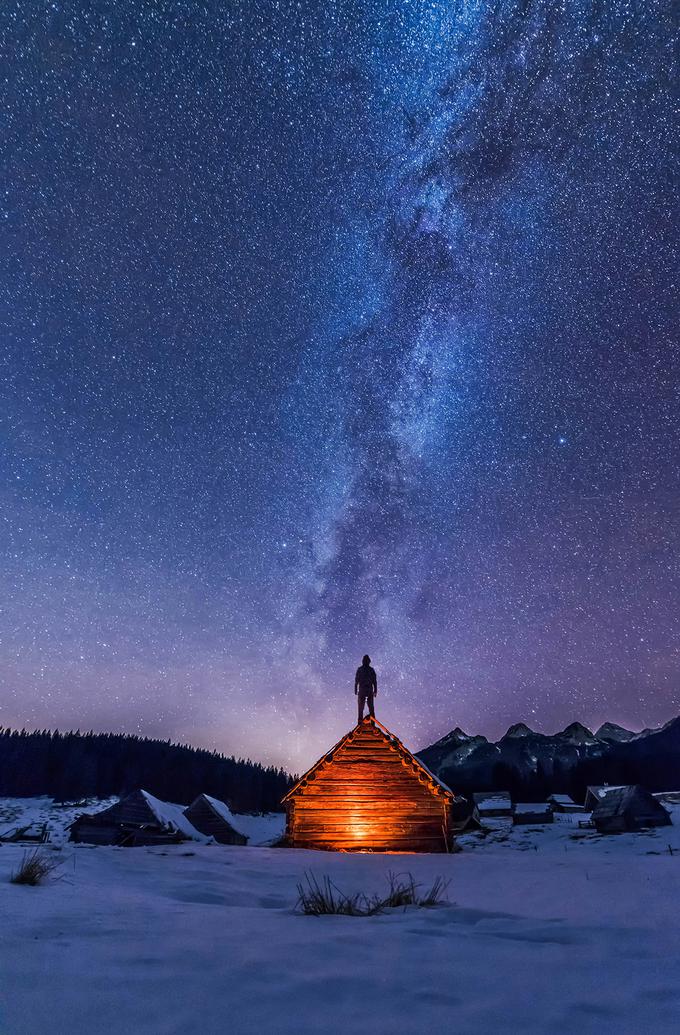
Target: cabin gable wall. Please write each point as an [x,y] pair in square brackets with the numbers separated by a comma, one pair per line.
[201,815]
[366,797]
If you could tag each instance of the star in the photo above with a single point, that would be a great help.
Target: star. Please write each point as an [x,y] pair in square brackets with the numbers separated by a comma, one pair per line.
[308,315]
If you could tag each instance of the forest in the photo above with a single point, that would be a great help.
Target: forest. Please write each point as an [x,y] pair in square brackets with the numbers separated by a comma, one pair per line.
[74,765]
[656,771]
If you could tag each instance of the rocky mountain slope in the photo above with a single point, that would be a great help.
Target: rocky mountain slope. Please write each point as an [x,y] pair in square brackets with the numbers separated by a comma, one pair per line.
[531,764]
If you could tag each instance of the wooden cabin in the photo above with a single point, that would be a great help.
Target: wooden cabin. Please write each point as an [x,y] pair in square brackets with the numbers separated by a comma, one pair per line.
[525,812]
[628,808]
[595,793]
[369,793]
[564,803]
[214,819]
[493,804]
[137,819]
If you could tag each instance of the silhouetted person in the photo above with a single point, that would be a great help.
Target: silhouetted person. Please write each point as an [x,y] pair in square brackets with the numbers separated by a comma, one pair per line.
[365,686]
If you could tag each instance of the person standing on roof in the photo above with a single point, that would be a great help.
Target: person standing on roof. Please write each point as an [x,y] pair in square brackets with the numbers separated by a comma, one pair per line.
[366,686]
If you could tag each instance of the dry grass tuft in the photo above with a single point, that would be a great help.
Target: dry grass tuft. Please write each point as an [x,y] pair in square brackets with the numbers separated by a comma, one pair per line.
[35,866]
[436,896]
[325,899]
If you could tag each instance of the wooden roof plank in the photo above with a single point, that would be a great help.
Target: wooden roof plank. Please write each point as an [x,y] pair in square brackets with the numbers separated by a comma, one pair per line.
[365,732]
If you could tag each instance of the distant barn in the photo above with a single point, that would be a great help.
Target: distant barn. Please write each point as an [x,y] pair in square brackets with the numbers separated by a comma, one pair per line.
[493,804]
[214,819]
[532,812]
[596,793]
[628,808]
[138,819]
[563,803]
[369,793]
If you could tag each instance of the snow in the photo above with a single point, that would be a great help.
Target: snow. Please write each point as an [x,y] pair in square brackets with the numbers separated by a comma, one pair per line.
[578,930]
[460,754]
[172,816]
[606,788]
[261,829]
[22,811]
[668,797]
[487,801]
[221,808]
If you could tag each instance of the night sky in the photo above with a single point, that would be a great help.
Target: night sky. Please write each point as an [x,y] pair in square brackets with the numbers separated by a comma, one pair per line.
[334,327]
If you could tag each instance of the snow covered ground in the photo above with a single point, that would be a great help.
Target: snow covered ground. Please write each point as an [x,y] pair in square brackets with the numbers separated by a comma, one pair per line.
[259,829]
[550,929]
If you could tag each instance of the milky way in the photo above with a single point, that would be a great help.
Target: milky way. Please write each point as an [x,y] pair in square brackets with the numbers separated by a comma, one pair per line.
[333,328]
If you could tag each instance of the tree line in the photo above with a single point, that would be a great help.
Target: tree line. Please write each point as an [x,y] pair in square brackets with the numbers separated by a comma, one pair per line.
[72,766]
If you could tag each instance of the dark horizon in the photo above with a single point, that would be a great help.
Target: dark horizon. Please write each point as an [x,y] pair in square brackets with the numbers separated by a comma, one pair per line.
[334,329]
[235,753]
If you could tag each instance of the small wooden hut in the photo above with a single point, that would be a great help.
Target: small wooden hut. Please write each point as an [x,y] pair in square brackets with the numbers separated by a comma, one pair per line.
[564,803]
[628,808]
[214,819]
[493,804]
[595,793]
[525,812]
[369,793]
[137,819]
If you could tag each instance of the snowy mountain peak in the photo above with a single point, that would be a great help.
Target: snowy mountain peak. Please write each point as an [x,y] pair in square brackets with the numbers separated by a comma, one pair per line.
[577,733]
[520,729]
[532,757]
[613,732]
[456,736]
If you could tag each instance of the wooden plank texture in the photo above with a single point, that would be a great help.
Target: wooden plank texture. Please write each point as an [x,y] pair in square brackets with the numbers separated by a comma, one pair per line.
[369,794]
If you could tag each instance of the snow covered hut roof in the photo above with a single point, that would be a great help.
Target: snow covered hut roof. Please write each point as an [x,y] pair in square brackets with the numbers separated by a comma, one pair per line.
[172,817]
[137,814]
[214,818]
[488,800]
[221,808]
[600,791]
[667,797]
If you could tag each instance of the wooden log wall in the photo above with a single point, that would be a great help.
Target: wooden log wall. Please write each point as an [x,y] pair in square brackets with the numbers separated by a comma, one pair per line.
[369,797]
[202,815]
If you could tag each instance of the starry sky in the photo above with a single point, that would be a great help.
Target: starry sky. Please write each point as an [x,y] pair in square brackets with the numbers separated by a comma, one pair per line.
[334,327]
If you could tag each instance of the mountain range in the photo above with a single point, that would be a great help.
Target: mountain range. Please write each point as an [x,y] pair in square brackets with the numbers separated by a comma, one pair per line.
[531,765]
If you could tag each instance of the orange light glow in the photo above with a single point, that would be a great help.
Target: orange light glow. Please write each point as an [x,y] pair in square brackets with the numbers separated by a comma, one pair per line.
[369,794]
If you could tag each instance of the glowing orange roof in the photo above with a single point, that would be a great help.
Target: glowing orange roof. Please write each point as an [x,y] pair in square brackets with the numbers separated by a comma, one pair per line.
[410,761]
